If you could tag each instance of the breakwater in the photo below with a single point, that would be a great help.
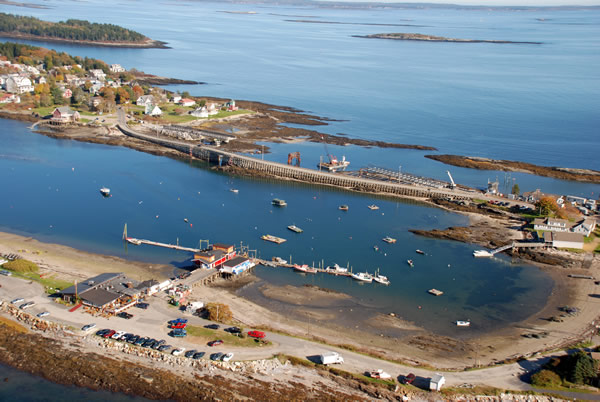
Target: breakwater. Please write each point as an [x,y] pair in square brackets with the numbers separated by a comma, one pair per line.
[217,156]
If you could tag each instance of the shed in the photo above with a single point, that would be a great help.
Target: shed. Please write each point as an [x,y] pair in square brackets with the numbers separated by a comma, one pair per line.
[436,382]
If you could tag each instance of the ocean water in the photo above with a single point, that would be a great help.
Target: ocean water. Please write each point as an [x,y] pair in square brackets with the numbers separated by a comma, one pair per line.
[535,103]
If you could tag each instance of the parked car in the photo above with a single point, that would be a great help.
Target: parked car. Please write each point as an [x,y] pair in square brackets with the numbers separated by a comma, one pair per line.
[178,351]
[216,356]
[198,355]
[6,273]
[88,327]
[17,300]
[233,330]
[215,342]
[43,314]
[256,334]
[227,357]
[212,326]
[178,320]
[190,353]
[27,305]
[125,315]
[140,341]
[409,379]
[109,333]
[118,335]
[178,333]
[164,348]
[102,332]
[179,325]
[133,339]
[142,305]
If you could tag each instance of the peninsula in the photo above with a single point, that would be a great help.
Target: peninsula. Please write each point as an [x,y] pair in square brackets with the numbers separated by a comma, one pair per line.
[432,38]
[73,31]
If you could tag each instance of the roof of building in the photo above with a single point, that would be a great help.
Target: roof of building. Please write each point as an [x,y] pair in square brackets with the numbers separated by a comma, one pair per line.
[234,262]
[65,110]
[86,285]
[567,236]
[437,378]
[211,255]
[99,297]
[222,246]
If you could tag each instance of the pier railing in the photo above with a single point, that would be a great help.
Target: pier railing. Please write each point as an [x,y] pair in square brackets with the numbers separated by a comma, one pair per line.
[274,169]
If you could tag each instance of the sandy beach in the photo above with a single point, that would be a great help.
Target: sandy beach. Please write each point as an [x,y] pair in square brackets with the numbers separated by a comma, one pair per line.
[418,347]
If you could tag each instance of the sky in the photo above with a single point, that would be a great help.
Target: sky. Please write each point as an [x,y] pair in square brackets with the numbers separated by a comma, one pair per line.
[534,3]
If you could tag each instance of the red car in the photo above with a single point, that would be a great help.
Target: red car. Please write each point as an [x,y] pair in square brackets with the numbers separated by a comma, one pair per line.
[179,325]
[409,378]
[109,333]
[215,343]
[256,334]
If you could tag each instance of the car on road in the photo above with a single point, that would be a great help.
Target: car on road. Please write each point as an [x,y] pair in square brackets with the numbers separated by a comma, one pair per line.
[233,330]
[198,355]
[215,342]
[142,305]
[125,315]
[409,379]
[178,351]
[6,273]
[212,326]
[88,327]
[27,305]
[109,333]
[17,300]
[178,333]
[256,334]
[226,357]
[42,314]
[190,353]
[216,356]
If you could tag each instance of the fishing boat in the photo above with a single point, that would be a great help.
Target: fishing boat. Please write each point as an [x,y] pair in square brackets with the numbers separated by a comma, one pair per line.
[373,207]
[279,260]
[234,190]
[389,239]
[295,228]
[410,262]
[343,207]
[420,252]
[105,191]
[482,253]
[435,292]
[336,269]
[273,239]
[463,323]
[381,279]
[334,164]
[278,203]
[363,276]
[305,268]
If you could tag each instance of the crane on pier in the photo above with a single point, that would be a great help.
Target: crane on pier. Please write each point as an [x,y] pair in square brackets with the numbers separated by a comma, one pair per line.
[452,183]
[333,164]
[292,156]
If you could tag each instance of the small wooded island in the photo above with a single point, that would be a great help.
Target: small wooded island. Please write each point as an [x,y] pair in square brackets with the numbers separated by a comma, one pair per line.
[431,38]
[73,31]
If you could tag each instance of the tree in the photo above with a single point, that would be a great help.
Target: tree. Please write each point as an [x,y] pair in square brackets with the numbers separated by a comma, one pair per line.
[545,378]
[515,189]
[122,95]
[546,206]
[78,95]
[137,91]
[218,312]
[583,368]
[57,96]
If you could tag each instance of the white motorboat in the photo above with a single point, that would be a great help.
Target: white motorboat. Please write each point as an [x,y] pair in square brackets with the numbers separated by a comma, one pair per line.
[463,323]
[381,279]
[363,276]
[105,191]
[482,253]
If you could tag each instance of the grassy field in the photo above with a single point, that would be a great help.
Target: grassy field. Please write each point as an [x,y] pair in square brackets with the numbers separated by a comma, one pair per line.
[50,283]
[11,324]
[207,335]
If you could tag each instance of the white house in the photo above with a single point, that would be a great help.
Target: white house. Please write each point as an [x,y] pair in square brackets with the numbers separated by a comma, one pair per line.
[32,70]
[18,85]
[576,200]
[212,109]
[585,227]
[98,74]
[145,100]
[152,110]
[187,102]
[200,112]
[564,240]
[10,98]
[551,224]
[116,68]
[436,382]
[176,98]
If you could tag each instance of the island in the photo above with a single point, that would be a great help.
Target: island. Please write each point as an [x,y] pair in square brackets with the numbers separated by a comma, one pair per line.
[73,31]
[432,38]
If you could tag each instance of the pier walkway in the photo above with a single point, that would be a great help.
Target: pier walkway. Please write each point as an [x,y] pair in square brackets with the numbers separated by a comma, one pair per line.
[284,171]
[517,245]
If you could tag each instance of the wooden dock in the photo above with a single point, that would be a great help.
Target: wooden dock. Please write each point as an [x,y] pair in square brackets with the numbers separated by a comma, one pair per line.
[139,242]
[274,264]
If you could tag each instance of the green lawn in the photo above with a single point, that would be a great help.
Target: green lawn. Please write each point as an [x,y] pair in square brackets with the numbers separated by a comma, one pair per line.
[44,111]
[228,339]
[49,282]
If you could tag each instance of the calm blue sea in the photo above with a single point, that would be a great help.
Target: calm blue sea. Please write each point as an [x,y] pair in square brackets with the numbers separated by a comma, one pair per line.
[535,103]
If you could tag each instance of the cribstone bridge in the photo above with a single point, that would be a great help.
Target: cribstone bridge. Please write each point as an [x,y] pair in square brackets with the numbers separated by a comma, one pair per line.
[280,170]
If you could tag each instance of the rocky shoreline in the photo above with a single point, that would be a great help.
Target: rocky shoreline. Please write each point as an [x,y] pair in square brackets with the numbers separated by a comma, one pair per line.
[146,44]
[432,38]
[472,162]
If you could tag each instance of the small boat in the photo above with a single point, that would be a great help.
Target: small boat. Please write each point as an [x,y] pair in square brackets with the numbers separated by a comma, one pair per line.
[420,252]
[105,191]
[435,292]
[305,268]
[343,207]
[373,207]
[389,239]
[134,241]
[410,262]
[278,203]
[336,268]
[279,260]
[482,253]
[381,279]
[234,190]
[185,220]
[363,276]
[273,239]
[463,323]
[295,228]
[375,248]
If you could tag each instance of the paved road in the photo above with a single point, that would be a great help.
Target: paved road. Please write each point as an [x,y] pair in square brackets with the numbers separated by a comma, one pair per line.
[152,322]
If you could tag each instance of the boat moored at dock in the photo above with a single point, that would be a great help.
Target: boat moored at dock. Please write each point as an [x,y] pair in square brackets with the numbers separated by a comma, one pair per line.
[381,279]
[305,268]
[363,276]
[273,239]
[336,269]
[482,253]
